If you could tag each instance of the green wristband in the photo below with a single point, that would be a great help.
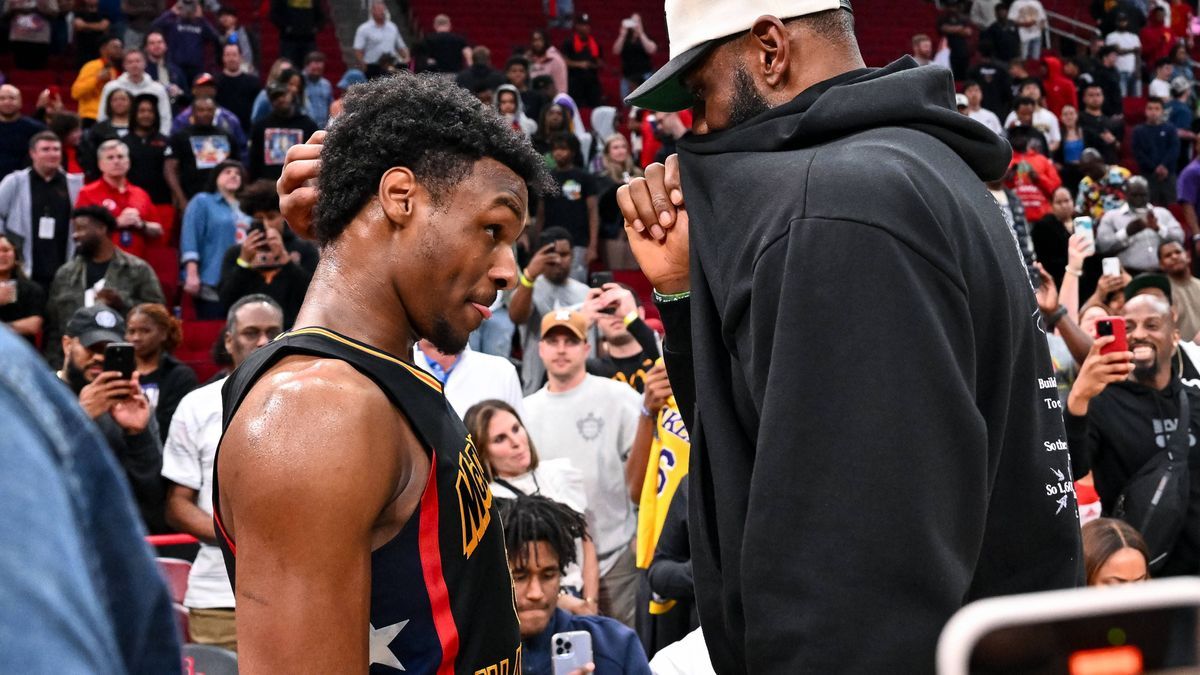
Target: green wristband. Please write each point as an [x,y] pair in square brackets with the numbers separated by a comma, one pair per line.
[673,297]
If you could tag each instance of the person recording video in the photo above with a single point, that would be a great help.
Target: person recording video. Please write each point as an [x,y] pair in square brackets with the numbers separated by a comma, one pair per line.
[116,403]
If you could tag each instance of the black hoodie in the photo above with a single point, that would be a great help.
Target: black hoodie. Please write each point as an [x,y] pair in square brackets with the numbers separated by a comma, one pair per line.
[880,440]
[1127,425]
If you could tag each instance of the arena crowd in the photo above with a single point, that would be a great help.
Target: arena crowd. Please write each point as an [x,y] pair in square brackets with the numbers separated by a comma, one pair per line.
[143,208]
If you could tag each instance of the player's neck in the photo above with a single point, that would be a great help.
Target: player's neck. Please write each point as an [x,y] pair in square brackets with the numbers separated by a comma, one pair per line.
[351,296]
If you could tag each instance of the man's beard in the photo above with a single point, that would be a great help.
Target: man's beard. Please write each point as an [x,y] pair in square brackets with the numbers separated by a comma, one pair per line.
[747,102]
[1146,372]
[444,339]
[76,378]
[88,247]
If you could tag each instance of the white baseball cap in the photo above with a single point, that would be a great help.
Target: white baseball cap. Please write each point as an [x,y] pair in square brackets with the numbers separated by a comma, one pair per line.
[696,27]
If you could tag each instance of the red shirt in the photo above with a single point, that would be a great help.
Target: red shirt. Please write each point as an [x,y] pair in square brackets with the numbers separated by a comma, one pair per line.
[100,193]
[1156,43]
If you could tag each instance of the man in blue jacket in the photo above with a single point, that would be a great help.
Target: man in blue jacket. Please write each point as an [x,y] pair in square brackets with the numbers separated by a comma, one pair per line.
[540,536]
[1156,149]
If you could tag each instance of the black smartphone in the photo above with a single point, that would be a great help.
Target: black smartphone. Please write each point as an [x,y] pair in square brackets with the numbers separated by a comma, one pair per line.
[601,278]
[544,241]
[257,225]
[118,357]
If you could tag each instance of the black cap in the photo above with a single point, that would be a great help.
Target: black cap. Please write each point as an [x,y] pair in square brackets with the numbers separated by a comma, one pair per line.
[1147,280]
[96,324]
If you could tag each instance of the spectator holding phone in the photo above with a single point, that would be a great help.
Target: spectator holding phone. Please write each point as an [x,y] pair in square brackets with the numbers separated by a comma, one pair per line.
[543,286]
[629,347]
[635,49]
[262,264]
[1134,231]
[1121,414]
[539,535]
[154,334]
[117,405]
[211,224]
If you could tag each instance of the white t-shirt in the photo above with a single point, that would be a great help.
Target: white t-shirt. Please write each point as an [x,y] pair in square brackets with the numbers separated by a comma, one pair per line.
[1044,121]
[556,479]
[592,425]
[1028,9]
[477,377]
[988,119]
[188,461]
[1126,63]
[375,40]
[1161,89]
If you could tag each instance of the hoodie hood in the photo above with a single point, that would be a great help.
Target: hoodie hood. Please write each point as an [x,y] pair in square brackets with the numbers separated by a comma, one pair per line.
[898,95]
[516,92]
[1053,67]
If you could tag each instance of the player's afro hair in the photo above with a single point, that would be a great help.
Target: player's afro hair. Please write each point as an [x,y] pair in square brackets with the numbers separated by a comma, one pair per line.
[421,122]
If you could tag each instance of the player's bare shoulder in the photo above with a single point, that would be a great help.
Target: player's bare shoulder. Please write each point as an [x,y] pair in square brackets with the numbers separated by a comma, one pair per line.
[319,422]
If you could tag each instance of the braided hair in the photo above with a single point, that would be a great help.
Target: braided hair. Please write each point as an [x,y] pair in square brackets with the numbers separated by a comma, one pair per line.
[532,518]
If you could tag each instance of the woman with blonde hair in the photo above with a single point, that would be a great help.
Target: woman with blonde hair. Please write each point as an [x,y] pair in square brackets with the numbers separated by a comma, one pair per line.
[614,167]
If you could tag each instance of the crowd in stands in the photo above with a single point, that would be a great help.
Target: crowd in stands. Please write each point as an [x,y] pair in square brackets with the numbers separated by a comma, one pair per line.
[1102,196]
[142,208]
[150,210]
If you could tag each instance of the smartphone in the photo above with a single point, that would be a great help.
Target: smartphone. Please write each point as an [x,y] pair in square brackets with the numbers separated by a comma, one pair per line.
[118,357]
[572,651]
[1145,627]
[257,225]
[1112,267]
[601,278]
[544,241]
[1115,326]
[1083,226]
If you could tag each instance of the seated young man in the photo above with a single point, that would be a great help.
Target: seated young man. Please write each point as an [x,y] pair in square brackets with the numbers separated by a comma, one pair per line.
[540,535]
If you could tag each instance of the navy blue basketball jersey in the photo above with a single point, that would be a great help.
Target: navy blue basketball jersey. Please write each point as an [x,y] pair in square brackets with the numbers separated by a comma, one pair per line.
[441,593]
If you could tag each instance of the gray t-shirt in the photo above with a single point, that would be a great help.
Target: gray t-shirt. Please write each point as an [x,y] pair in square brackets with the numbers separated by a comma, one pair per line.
[547,297]
[592,425]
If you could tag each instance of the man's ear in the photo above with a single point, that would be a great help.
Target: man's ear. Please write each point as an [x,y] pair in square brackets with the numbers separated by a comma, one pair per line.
[769,40]
[397,191]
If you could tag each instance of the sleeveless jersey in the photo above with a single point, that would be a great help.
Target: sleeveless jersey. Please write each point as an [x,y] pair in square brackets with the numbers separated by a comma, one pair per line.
[441,593]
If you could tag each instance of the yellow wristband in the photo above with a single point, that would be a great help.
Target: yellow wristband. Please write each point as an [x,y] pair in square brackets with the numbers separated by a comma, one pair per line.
[242,263]
[630,317]
[525,281]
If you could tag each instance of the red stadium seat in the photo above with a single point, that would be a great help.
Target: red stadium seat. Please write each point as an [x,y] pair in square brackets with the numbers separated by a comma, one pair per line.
[196,348]
[175,572]
[181,622]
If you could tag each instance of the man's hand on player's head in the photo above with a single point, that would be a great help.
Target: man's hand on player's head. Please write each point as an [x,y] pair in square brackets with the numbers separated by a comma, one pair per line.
[656,223]
[297,185]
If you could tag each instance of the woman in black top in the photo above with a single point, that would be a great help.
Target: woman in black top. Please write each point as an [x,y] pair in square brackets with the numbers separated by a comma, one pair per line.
[1050,234]
[21,300]
[154,333]
[148,150]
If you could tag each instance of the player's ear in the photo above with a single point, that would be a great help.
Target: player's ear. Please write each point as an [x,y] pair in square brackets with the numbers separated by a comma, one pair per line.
[397,191]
